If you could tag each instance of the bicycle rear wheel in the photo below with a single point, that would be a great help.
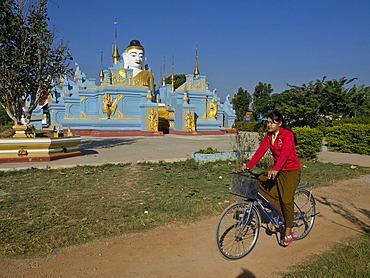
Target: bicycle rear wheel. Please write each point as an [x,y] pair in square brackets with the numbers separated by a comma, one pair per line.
[237,230]
[304,213]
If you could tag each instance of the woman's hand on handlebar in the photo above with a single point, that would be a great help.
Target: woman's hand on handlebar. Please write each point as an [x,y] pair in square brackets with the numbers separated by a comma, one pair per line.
[244,167]
[272,174]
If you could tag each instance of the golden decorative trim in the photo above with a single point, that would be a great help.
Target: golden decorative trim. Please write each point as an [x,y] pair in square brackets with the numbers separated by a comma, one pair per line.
[109,85]
[206,119]
[120,115]
[83,98]
[199,86]
[171,115]
[134,47]
[83,115]
[103,118]
[206,104]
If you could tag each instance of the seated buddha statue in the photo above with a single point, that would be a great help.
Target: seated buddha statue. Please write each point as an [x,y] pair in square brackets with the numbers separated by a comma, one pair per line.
[134,58]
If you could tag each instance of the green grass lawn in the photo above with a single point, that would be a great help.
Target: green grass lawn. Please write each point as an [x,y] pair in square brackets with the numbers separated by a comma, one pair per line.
[349,259]
[44,210]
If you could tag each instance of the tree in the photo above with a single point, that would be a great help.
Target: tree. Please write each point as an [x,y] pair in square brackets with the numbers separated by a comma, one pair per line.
[178,80]
[320,100]
[31,59]
[299,104]
[363,109]
[262,99]
[241,103]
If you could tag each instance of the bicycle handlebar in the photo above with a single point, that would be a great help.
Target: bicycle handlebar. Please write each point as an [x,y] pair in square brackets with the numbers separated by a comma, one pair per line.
[255,174]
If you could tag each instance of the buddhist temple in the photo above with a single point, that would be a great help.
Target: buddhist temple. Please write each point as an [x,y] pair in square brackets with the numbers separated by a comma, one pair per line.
[124,101]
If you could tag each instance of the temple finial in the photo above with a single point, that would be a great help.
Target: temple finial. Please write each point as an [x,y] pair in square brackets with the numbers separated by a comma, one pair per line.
[164,71]
[160,77]
[172,77]
[101,74]
[115,54]
[196,71]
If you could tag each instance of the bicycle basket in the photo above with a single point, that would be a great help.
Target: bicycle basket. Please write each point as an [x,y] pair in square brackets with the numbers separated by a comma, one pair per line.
[244,186]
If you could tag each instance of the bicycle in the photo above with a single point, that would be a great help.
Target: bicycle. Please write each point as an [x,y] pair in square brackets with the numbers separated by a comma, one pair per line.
[239,225]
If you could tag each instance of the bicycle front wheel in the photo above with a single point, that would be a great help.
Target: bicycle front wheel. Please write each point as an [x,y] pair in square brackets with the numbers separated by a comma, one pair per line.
[237,230]
[304,213]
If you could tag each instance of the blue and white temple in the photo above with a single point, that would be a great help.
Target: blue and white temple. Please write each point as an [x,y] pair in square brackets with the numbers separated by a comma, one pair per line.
[126,103]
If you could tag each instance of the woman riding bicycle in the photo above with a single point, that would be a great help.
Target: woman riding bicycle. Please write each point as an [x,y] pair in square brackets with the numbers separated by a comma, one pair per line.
[284,176]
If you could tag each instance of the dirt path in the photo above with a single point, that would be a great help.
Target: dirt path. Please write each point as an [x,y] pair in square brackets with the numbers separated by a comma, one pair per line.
[190,251]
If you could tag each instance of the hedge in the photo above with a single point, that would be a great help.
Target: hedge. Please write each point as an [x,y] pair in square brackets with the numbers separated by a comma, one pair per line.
[252,126]
[349,138]
[309,141]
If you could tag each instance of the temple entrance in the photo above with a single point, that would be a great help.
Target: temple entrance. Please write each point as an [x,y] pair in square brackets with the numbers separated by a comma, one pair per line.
[163,125]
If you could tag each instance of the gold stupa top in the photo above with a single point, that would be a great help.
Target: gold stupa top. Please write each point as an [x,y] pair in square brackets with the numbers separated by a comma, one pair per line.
[196,71]
[101,74]
[172,78]
[164,72]
[115,54]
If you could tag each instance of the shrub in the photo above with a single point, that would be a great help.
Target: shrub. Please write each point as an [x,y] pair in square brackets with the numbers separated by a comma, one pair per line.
[349,138]
[209,150]
[359,120]
[242,143]
[309,141]
[251,126]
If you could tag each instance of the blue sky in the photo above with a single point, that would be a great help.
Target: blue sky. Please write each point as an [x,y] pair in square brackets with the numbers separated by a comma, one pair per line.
[240,43]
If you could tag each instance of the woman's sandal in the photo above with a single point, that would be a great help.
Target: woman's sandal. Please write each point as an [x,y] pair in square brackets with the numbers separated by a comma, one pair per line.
[288,237]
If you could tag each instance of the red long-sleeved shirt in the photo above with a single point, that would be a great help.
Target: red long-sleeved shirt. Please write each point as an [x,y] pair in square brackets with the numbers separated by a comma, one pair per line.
[283,151]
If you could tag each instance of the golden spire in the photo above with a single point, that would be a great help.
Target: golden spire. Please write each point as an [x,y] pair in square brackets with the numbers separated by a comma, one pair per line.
[196,71]
[160,77]
[101,74]
[172,77]
[164,71]
[115,54]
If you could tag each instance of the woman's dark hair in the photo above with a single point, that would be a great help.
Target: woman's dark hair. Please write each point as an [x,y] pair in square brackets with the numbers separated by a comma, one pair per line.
[278,117]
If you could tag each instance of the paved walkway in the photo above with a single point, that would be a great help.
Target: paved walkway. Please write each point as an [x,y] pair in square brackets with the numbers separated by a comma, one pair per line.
[97,151]
[341,158]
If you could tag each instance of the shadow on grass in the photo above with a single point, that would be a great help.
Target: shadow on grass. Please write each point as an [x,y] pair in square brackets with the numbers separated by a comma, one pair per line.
[340,208]
[87,144]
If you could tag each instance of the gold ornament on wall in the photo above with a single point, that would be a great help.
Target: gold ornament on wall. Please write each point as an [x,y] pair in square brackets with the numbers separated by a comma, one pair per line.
[212,110]
[109,107]
[151,121]
[189,121]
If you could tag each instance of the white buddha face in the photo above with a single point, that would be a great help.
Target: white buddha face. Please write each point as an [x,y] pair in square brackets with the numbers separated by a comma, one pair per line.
[135,59]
